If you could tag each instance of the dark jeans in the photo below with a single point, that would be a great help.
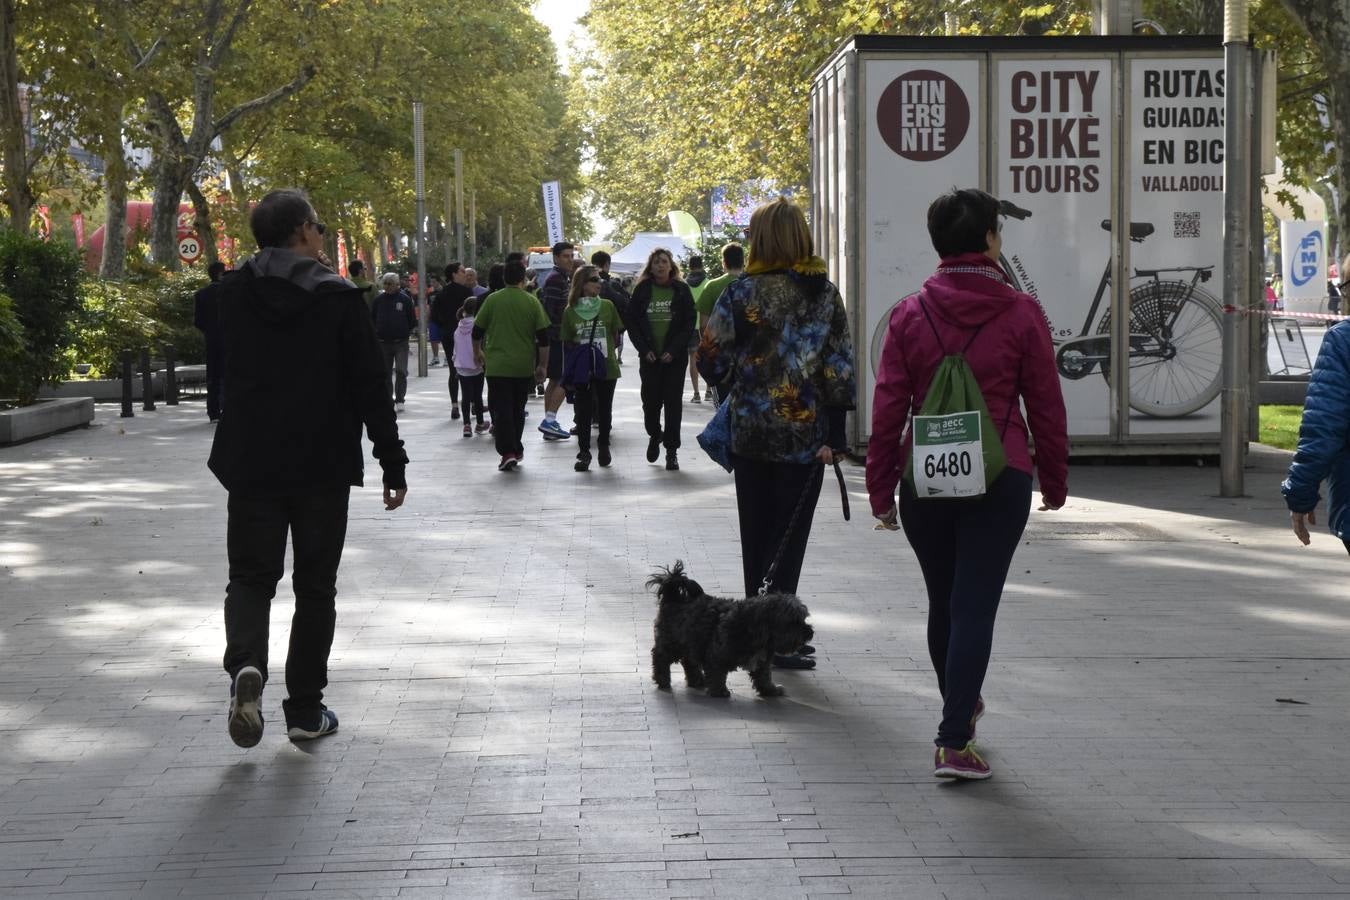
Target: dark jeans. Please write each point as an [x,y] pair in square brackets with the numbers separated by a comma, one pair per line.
[964,549]
[215,381]
[507,396]
[396,358]
[594,403]
[663,391]
[455,378]
[256,543]
[473,395]
[767,493]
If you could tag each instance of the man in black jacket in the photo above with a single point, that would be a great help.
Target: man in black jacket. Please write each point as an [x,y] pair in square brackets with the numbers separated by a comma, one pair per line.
[206,316]
[288,458]
[392,313]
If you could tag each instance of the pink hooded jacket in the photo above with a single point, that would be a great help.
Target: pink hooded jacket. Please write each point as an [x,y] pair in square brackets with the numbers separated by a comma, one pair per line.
[1011,356]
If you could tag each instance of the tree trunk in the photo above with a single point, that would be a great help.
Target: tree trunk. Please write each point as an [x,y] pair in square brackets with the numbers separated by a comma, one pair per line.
[1328,24]
[171,180]
[18,192]
[115,173]
[201,222]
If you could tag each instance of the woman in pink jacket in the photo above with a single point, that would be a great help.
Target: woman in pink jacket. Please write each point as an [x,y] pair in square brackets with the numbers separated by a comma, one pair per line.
[965,545]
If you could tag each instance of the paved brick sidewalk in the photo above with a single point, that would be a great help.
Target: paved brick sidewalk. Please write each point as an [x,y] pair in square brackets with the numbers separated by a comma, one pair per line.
[501,736]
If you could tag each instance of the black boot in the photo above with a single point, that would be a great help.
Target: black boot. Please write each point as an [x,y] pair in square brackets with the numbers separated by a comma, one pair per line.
[604,456]
[672,462]
[583,460]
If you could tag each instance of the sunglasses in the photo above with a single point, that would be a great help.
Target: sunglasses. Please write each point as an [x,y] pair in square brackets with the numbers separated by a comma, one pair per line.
[319,227]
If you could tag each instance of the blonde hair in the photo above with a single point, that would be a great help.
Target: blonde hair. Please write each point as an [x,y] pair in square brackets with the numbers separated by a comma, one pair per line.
[646,272]
[579,283]
[779,237]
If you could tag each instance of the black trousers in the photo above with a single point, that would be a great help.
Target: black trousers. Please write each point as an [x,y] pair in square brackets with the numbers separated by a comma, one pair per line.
[256,543]
[965,548]
[663,392]
[473,396]
[455,378]
[507,396]
[396,359]
[767,493]
[594,403]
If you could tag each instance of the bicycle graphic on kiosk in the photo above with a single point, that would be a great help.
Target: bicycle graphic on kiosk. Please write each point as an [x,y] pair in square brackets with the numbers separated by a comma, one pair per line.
[1175,332]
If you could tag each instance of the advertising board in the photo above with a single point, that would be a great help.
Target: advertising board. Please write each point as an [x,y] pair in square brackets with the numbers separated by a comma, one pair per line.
[1107,156]
[1303,249]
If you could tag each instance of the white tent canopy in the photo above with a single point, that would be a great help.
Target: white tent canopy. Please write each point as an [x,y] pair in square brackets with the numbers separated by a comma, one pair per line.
[631,259]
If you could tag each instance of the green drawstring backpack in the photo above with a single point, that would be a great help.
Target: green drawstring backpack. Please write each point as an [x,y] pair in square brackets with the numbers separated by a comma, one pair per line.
[957,453]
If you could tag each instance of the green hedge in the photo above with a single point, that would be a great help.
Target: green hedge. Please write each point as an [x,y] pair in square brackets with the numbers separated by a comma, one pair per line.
[12,349]
[148,310]
[43,280]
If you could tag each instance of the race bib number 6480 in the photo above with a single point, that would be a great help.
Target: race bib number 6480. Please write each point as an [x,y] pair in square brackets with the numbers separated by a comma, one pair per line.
[948,456]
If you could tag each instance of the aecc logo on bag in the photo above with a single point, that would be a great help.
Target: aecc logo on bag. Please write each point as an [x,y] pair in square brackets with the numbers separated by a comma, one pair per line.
[923,115]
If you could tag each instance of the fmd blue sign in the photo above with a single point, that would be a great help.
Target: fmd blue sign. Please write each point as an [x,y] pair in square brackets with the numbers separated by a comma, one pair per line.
[1306,263]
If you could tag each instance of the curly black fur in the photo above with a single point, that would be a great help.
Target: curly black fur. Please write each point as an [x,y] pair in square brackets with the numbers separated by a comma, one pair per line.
[710,636]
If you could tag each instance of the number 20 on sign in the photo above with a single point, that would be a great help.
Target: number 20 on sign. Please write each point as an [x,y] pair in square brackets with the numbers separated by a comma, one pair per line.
[948,456]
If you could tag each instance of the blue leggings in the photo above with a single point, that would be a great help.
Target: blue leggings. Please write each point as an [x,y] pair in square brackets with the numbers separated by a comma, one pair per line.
[965,548]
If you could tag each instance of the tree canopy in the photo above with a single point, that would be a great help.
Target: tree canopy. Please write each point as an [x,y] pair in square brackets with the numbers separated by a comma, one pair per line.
[201,86]
[687,97]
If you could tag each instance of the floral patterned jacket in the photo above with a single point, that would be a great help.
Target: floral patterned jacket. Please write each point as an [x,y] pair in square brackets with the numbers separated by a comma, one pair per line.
[780,341]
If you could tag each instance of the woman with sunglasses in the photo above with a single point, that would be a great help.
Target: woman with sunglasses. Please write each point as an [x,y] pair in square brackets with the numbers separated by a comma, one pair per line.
[591,319]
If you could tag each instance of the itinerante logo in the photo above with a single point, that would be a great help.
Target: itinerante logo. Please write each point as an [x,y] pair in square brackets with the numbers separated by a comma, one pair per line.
[923,115]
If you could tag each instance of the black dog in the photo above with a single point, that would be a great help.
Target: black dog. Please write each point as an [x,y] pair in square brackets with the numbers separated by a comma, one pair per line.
[710,636]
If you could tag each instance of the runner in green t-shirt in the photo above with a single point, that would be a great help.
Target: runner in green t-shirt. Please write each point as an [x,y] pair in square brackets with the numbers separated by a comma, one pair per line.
[514,327]
[590,319]
[661,321]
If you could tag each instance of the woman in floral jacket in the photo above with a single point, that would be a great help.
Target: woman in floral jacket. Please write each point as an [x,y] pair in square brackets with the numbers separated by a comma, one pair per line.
[778,342]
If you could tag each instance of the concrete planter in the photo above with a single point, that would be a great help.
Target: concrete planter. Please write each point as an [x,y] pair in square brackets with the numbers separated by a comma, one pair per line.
[45,417]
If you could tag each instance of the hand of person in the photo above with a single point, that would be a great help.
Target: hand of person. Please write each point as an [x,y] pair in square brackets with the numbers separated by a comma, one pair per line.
[825,455]
[478,358]
[666,357]
[651,357]
[324,260]
[1046,507]
[540,374]
[393,497]
[1301,521]
[886,521]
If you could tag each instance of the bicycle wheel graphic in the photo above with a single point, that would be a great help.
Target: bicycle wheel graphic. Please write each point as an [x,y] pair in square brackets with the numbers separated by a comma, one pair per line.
[879,332]
[1176,348]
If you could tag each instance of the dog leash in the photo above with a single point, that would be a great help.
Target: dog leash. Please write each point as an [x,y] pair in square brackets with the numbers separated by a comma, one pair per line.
[843,491]
[787,535]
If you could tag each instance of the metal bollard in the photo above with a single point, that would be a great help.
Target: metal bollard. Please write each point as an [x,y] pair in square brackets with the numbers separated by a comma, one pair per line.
[127,411]
[147,382]
[170,378]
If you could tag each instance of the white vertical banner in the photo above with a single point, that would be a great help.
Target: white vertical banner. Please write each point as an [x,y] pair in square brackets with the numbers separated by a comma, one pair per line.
[922,137]
[553,211]
[1174,153]
[1054,130]
[1303,248]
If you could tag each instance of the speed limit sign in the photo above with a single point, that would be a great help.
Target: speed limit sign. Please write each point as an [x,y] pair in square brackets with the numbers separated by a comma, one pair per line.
[189,248]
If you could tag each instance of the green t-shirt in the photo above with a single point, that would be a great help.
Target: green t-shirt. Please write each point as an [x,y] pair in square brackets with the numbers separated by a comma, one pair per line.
[511,320]
[658,314]
[576,330]
[711,293]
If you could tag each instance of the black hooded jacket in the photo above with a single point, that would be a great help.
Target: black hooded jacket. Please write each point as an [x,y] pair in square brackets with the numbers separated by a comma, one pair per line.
[682,319]
[304,373]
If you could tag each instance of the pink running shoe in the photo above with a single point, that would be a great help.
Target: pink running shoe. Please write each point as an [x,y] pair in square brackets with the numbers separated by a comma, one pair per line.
[966,764]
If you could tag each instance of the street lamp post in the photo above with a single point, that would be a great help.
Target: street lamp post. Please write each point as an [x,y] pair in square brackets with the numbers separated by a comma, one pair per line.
[459,205]
[1236,184]
[420,190]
